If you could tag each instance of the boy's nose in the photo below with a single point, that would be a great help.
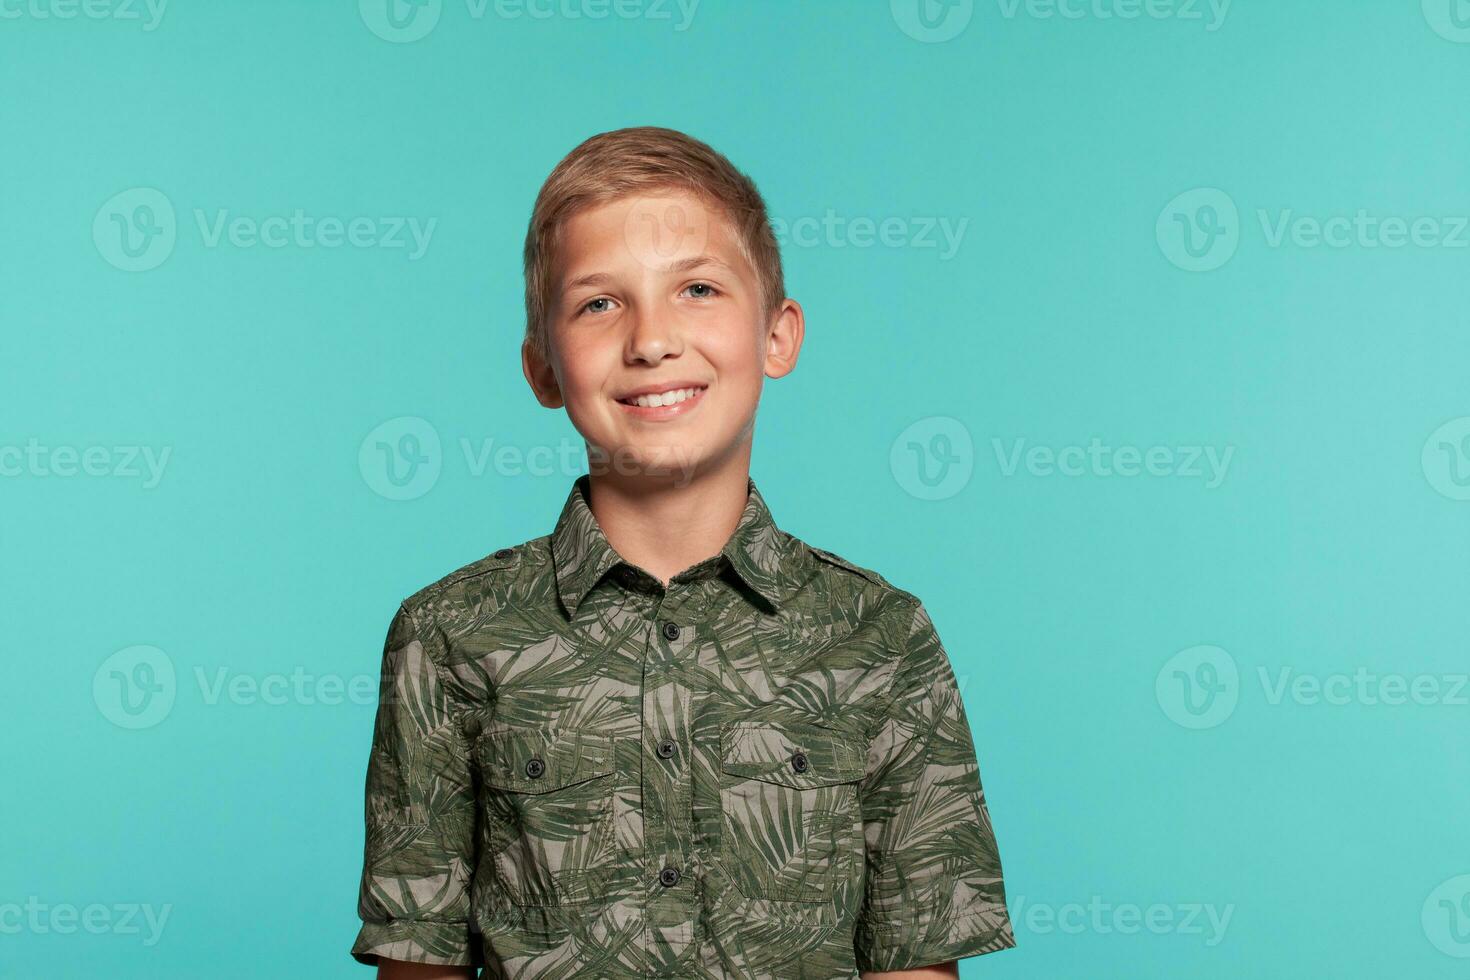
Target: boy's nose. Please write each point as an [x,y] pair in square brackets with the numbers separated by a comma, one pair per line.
[652,337]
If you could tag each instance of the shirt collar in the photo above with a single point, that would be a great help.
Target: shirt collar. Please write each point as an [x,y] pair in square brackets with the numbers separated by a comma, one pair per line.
[765,558]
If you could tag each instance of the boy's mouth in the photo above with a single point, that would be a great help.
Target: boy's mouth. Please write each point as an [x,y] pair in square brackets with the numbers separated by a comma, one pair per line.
[662,401]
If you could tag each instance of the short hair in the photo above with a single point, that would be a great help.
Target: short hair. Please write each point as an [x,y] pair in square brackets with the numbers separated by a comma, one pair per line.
[616,164]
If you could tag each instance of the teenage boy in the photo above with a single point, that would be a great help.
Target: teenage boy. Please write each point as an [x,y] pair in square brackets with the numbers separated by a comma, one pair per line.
[669,739]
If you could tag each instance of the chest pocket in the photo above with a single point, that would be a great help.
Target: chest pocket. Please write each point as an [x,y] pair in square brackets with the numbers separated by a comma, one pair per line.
[791,825]
[546,807]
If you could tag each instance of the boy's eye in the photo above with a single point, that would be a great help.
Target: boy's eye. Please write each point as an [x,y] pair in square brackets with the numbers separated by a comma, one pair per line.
[701,290]
[599,305]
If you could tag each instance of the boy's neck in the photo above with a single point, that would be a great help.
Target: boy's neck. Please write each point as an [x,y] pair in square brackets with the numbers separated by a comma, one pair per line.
[664,528]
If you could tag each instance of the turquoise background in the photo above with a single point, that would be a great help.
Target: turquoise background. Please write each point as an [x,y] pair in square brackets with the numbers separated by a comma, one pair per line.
[1332,834]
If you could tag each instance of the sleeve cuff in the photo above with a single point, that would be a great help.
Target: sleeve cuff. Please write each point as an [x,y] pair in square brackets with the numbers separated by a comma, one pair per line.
[906,944]
[440,943]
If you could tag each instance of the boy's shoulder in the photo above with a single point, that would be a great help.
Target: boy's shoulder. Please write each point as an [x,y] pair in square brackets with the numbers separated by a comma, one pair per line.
[870,576]
[484,576]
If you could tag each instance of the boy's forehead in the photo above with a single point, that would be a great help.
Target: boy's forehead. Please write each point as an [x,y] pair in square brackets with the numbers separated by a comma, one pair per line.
[658,228]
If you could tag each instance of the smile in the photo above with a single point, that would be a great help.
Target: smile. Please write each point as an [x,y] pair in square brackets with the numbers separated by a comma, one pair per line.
[663,404]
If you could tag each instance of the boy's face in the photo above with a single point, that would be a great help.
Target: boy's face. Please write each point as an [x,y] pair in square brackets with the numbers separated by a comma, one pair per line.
[658,341]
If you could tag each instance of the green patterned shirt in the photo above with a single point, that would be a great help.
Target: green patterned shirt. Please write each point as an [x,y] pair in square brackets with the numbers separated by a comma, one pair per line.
[761,770]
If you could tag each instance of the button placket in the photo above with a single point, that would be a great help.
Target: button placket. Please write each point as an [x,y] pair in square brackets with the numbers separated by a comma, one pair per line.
[667,797]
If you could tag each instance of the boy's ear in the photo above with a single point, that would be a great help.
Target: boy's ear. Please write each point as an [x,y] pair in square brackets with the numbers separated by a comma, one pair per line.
[540,376]
[783,339]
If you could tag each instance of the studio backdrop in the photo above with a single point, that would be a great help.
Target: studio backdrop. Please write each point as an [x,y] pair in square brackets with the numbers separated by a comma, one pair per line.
[1137,345]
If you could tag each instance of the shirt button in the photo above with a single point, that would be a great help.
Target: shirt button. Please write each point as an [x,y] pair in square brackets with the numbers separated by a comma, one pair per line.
[799,762]
[534,768]
[503,554]
[668,877]
[671,630]
[666,749]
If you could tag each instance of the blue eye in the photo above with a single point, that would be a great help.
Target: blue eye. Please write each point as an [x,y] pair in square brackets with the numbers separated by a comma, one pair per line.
[593,307]
[708,290]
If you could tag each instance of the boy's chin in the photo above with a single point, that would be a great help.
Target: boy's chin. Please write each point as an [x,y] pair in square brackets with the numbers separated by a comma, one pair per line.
[656,464]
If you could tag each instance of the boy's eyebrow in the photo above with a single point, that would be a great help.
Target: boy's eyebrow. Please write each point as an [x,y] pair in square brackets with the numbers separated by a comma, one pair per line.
[694,262]
[674,268]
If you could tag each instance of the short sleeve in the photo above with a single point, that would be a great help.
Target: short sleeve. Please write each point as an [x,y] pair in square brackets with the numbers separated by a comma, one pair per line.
[418,858]
[933,890]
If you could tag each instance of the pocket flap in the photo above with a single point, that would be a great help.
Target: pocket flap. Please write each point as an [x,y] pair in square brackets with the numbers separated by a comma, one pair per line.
[791,754]
[535,761]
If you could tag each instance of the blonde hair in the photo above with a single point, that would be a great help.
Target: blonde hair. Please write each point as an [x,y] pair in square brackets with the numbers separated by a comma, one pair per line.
[631,161]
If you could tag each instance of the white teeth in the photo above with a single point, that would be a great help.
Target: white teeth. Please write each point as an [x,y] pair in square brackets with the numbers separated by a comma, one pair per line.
[665,398]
